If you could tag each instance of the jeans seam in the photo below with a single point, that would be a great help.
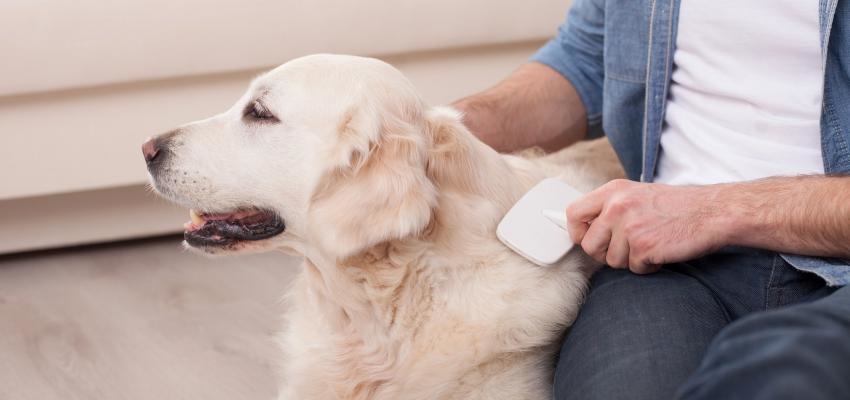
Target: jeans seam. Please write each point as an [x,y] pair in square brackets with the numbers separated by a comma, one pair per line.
[771,285]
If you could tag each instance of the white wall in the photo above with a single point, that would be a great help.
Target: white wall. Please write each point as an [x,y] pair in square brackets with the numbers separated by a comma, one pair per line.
[83,83]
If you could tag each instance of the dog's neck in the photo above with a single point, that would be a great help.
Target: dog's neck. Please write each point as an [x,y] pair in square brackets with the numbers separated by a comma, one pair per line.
[362,292]
[385,285]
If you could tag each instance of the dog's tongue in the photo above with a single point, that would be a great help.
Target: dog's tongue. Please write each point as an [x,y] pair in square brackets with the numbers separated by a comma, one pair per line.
[197,220]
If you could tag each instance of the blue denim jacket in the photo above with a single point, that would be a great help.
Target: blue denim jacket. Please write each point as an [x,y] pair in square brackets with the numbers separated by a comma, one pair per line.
[619,56]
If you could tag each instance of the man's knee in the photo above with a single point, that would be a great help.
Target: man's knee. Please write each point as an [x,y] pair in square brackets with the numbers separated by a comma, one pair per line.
[796,352]
[637,336]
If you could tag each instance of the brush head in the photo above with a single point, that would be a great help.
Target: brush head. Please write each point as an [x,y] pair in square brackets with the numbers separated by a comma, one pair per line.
[535,227]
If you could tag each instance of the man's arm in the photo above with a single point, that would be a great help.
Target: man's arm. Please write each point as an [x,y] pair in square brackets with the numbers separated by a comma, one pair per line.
[534,106]
[556,99]
[642,226]
[807,215]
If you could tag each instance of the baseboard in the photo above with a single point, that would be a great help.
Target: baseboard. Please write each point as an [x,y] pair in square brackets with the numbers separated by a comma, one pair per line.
[86,217]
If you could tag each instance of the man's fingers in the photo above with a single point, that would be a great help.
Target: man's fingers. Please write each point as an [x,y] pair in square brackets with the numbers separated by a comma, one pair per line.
[640,266]
[595,241]
[579,215]
[585,209]
[618,251]
[577,230]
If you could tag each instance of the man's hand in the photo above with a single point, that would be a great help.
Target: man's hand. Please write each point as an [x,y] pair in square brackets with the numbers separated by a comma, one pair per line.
[641,226]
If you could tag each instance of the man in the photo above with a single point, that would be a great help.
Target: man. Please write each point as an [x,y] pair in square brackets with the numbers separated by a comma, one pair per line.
[730,254]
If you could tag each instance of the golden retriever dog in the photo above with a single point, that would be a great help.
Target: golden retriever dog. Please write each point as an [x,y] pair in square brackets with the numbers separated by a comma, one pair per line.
[405,291]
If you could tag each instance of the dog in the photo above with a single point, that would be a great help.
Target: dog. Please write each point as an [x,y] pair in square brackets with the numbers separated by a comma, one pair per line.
[405,291]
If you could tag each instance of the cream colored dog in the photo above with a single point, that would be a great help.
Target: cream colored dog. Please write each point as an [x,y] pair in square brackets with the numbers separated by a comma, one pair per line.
[405,291]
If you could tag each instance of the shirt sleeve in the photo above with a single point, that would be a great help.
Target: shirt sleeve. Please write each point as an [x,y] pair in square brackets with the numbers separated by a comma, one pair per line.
[576,52]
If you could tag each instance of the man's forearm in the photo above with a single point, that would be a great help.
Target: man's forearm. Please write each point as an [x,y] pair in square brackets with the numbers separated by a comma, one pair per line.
[808,215]
[534,106]
[642,226]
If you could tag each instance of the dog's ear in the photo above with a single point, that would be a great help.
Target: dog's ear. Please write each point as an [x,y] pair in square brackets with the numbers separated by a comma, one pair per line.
[451,149]
[460,163]
[378,191]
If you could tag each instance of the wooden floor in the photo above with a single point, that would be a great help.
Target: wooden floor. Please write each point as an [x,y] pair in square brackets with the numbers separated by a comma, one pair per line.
[143,320]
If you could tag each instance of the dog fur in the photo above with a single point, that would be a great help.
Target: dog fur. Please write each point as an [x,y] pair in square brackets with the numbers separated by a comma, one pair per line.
[405,291]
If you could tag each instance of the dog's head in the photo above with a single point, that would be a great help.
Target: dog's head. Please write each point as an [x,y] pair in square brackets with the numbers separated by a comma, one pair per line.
[328,152]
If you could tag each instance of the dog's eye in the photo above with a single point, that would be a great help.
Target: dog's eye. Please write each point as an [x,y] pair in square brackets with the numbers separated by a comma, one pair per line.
[257,111]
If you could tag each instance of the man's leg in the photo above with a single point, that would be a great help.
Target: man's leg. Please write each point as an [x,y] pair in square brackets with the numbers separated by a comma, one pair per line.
[637,337]
[797,352]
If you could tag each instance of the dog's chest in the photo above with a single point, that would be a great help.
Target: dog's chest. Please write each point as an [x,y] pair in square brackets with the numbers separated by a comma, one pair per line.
[356,371]
[443,333]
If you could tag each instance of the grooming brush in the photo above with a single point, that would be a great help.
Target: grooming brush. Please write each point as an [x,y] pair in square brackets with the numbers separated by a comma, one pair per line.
[536,226]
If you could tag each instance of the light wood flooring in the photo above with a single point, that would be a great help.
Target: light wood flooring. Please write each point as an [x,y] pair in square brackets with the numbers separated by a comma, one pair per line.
[140,320]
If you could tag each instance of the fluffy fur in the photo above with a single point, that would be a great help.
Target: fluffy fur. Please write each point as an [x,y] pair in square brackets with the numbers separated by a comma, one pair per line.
[405,291]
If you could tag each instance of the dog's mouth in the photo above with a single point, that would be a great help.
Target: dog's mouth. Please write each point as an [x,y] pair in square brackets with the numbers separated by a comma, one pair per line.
[228,228]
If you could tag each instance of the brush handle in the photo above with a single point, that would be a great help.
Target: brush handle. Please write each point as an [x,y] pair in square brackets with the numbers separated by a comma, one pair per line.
[558,218]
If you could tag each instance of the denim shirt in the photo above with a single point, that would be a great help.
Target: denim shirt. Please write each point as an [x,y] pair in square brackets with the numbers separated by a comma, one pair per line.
[618,54]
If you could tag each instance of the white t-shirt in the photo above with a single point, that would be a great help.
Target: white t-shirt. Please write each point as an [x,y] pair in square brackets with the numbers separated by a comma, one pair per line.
[746,92]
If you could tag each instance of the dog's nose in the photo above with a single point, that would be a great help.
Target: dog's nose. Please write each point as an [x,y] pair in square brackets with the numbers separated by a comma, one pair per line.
[150,149]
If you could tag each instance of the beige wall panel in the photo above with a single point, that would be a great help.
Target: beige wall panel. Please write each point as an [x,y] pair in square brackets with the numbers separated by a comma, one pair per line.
[86,217]
[55,44]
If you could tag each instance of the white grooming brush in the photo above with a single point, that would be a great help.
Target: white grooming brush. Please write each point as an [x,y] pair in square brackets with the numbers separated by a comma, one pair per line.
[536,226]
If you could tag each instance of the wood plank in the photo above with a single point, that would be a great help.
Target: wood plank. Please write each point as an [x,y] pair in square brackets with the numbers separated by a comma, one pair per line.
[143,320]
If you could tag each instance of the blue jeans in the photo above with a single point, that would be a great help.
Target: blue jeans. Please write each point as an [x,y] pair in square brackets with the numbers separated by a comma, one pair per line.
[737,324]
